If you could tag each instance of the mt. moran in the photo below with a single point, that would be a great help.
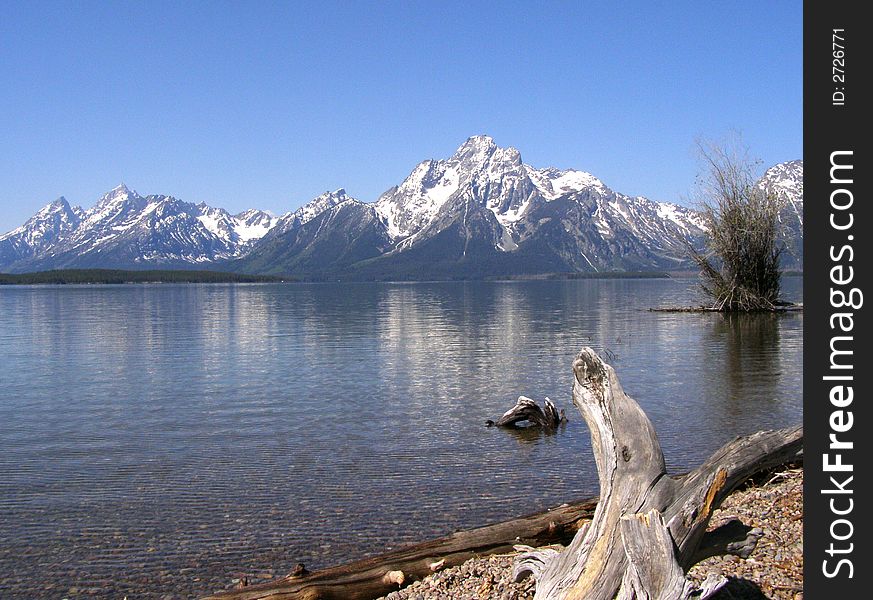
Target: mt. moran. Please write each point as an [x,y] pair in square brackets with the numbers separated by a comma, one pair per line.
[482,212]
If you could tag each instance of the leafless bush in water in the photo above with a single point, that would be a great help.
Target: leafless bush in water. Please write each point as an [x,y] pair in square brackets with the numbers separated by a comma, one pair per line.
[740,263]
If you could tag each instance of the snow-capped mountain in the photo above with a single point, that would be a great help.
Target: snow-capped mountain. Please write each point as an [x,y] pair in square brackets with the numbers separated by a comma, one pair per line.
[44,229]
[126,230]
[480,212]
[786,181]
[494,177]
[485,212]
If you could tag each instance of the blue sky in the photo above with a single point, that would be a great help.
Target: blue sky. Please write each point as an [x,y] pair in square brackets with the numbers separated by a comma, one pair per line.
[266,105]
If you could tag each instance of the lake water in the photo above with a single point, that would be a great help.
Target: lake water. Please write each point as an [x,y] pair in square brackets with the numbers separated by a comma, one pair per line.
[160,440]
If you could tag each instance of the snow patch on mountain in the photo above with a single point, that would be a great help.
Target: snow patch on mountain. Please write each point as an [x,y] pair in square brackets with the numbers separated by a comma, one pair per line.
[251,229]
[681,216]
[554,183]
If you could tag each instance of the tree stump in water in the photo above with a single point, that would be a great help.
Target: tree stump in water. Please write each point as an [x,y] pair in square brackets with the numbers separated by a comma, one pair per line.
[647,528]
[528,410]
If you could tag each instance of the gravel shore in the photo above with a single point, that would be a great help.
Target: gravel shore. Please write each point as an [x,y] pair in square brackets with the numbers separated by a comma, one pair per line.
[773,503]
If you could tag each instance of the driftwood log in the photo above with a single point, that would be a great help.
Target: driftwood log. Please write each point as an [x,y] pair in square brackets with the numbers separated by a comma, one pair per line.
[377,576]
[648,528]
[527,410]
[638,541]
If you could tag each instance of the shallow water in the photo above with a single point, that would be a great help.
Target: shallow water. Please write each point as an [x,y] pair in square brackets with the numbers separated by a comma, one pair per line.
[163,439]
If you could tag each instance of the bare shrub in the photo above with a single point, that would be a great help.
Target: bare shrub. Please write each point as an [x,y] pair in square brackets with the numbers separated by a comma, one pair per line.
[740,263]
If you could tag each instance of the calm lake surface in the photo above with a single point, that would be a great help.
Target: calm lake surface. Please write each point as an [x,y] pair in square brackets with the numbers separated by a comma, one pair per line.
[160,440]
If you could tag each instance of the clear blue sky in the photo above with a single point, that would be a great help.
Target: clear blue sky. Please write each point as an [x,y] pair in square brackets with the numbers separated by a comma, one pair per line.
[266,105]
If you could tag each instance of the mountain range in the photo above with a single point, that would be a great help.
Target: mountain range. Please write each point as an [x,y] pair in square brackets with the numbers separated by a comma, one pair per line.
[482,212]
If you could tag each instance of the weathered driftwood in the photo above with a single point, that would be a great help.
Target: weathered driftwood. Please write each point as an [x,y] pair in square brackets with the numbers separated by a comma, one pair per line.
[373,577]
[648,527]
[527,410]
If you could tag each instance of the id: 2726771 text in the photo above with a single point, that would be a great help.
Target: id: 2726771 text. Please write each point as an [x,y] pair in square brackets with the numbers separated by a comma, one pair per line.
[838,72]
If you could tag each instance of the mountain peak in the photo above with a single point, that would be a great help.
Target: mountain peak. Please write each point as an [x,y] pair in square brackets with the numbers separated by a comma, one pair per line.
[791,168]
[477,148]
[786,180]
[318,205]
[479,140]
[58,206]
[119,192]
[336,194]
[481,152]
